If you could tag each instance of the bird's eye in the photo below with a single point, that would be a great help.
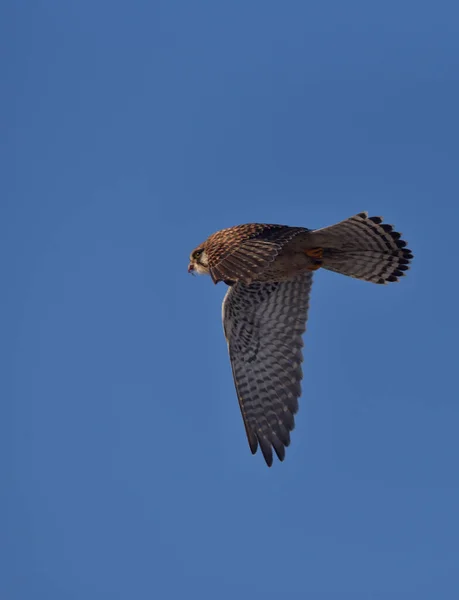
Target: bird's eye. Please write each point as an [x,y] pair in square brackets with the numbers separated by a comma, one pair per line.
[197,253]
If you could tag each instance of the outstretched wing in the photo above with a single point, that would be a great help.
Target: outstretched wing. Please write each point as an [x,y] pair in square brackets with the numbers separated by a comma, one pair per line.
[264,324]
[240,253]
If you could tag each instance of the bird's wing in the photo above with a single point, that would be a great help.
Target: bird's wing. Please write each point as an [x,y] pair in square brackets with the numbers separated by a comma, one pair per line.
[263,324]
[240,253]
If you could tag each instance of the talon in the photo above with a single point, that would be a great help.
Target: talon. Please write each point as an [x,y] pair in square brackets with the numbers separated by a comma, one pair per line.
[315,252]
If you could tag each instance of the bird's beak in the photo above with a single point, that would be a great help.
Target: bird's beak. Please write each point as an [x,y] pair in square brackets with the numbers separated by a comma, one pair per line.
[190,268]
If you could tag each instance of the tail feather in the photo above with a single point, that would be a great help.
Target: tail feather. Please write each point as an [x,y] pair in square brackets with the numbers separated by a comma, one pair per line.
[363,247]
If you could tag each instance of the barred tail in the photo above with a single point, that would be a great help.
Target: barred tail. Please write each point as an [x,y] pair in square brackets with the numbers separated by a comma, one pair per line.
[363,247]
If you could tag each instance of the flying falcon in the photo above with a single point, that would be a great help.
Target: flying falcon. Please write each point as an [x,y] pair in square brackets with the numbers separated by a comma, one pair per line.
[269,270]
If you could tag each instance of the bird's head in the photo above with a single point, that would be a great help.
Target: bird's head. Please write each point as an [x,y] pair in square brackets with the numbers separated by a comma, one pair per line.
[198,261]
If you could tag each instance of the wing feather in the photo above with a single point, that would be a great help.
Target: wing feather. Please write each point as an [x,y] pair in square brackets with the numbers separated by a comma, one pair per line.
[264,324]
[242,252]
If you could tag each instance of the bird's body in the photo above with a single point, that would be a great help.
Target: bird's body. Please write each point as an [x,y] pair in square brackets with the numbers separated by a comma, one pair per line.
[269,270]
[256,251]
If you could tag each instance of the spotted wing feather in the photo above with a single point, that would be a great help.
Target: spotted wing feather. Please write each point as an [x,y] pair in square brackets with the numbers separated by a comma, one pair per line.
[240,253]
[264,324]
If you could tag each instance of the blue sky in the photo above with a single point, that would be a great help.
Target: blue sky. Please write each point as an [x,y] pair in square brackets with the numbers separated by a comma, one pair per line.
[133,131]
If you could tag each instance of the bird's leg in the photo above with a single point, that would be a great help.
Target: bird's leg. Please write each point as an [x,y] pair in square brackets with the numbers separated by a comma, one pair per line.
[316,254]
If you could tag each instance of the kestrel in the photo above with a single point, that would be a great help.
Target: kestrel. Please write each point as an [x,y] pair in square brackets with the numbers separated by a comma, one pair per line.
[269,270]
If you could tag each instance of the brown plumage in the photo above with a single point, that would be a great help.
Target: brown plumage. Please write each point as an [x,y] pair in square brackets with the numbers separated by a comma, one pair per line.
[269,269]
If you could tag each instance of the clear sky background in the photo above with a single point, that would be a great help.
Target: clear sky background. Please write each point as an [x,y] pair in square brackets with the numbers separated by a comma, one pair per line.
[131,131]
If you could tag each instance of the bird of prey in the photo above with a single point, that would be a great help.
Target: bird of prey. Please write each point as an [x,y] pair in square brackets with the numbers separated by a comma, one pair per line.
[269,270]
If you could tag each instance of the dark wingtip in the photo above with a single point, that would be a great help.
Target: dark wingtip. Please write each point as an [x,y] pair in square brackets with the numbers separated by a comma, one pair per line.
[252,439]
[266,450]
[279,448]
[268,460]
